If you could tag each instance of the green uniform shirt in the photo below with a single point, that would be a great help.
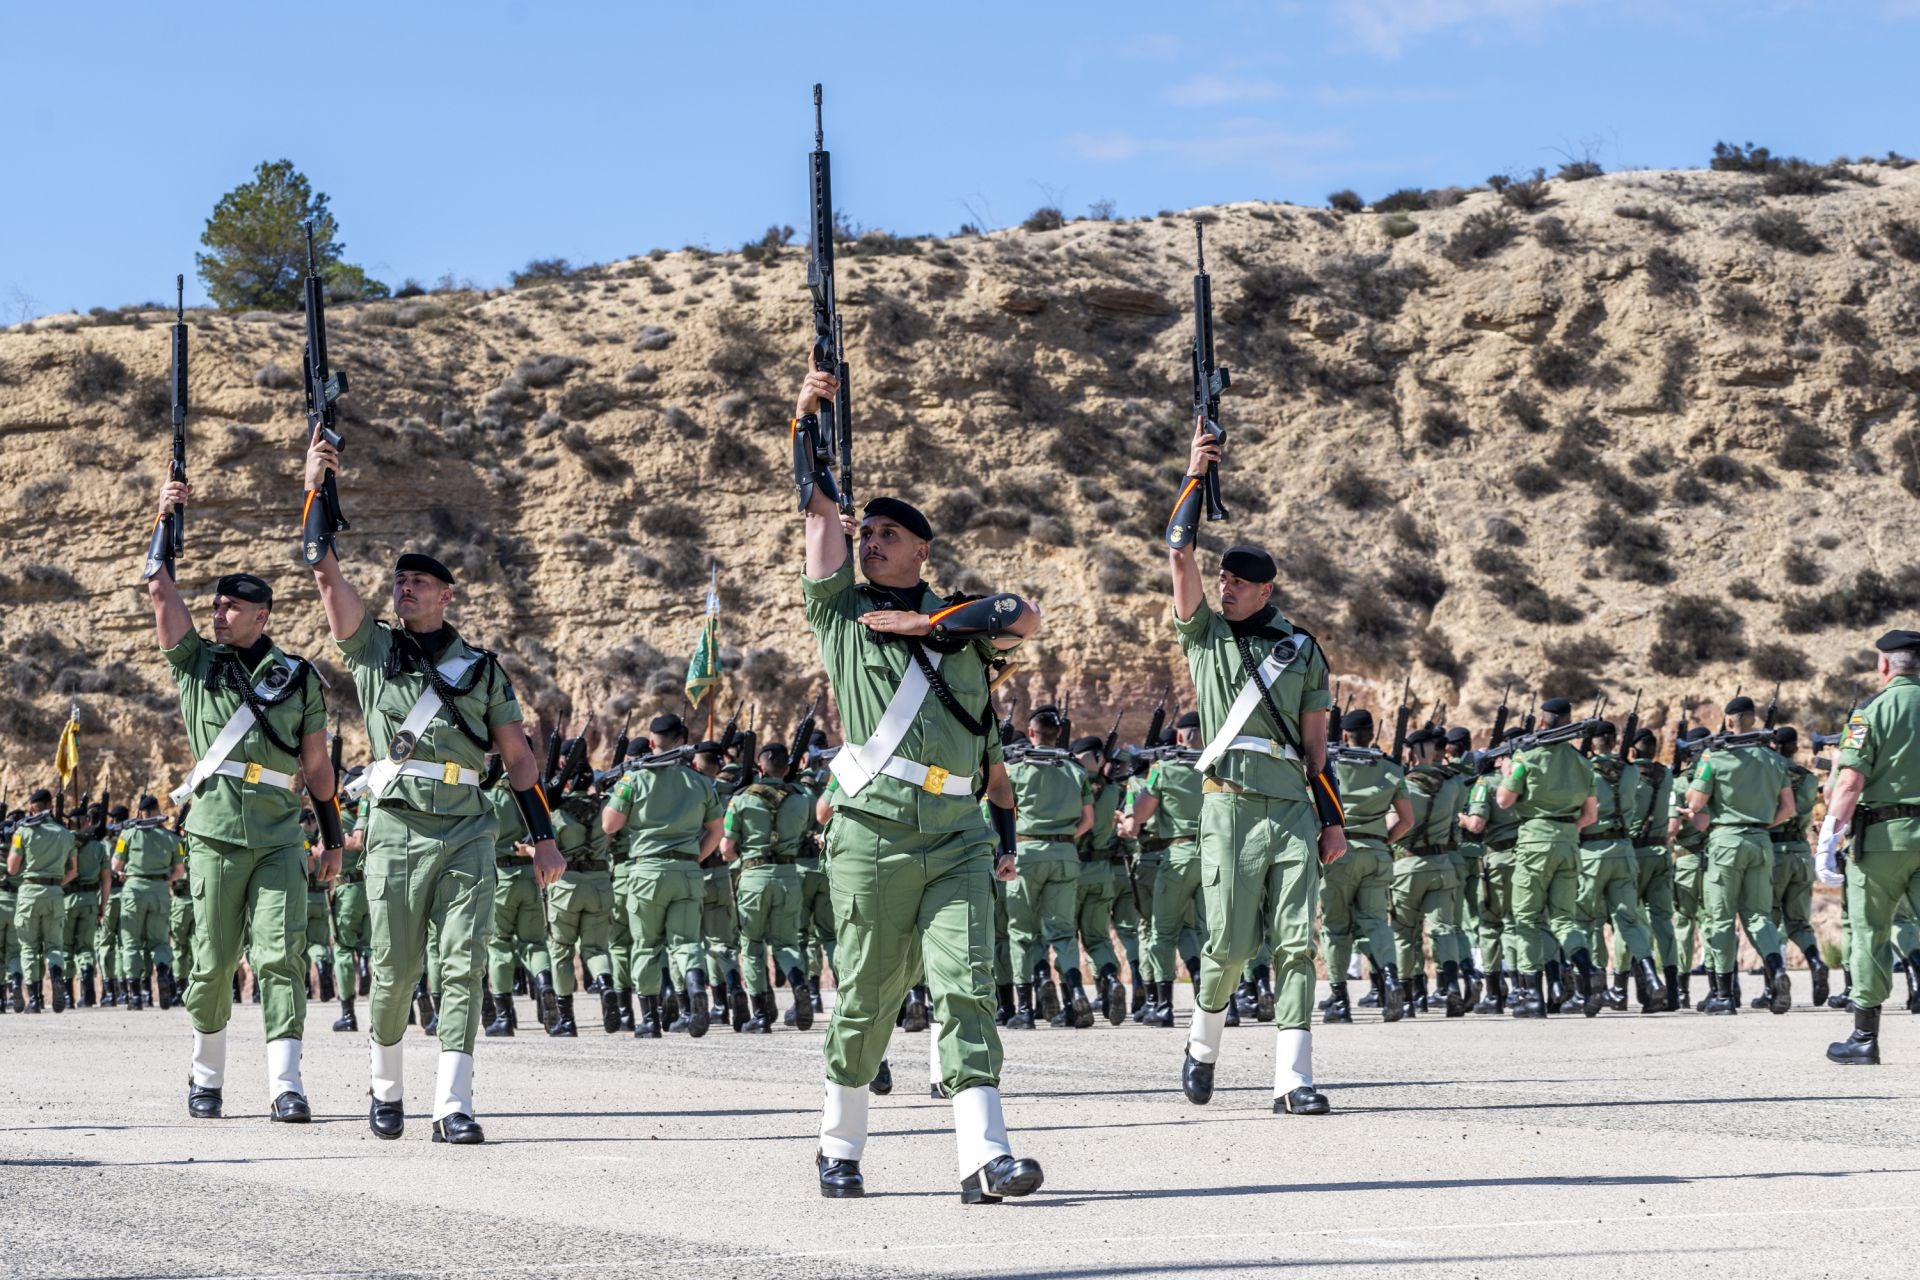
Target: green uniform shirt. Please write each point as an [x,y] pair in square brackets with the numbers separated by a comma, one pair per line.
[1806,793]
[576,830]
[1048,796]
[148,848]
[232,810]
[1648,822]
[1503,825]
[1688,837]
[483,696]
[45,847]
[865,668]
[1370,783]
[1105,797]
[511,822]
[1178,788]
[769,819]
[666,808]
[1550,782]
[1741,784]
[1218,676]
[1882,744]
[90,861]
[1434,793]
[1619,789]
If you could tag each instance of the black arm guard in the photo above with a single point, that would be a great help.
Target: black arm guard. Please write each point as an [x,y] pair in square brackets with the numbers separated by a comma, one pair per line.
[1005,833]
[534,811]
[810,470]
[332,835]
[1326,800]
[1186,513]
[989,616]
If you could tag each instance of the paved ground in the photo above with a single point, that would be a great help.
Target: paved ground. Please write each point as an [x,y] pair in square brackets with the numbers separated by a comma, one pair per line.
[1625,1146]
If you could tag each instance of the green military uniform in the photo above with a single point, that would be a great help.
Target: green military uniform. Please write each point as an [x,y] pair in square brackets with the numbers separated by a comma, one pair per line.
[319,924]
[1050,793]
[1646,823]
[87,895]
[47,855]
[9,946]
[1096,907]
[352,927]
[1552,784]
[1356,889]
[1170,856]
[1742,786]
[1610,869]
[666,806]
[1793,868]
[1882,744]
[1499,931]
[519,932]
[148,851]
[580,902]
[719,906]
[767,823]
[1689,875]
[816,904]
[619,927]
[429,841]
[1467,854]
[1426,883]
[1132,900]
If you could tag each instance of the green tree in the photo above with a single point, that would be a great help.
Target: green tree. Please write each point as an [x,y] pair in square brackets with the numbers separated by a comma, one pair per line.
[257,248]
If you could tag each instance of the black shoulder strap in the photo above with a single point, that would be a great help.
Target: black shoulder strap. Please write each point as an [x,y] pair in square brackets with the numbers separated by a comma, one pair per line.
[977,726]
[1252,672]
[420,660]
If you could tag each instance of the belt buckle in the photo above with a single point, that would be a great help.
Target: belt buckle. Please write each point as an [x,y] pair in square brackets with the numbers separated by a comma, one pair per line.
[450,773]
[251,773]
[936,783]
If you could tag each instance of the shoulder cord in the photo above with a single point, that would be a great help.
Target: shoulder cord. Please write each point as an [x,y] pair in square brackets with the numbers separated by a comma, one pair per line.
[1252,671]
[417,657]
[237,676]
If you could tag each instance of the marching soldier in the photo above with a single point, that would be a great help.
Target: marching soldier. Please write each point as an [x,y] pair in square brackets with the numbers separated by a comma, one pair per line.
[1269,817]
[1689,845]
[1053,799]
[109,938]
[352,931]
[719,913]
[148,857]
[519,932]
[1874,799]
[43,857]
[319,955]
[1793,863]
[910,862]
[578,909]
[1099,850]
[433,705]
[1498,830]
[1425,880]
[1166,818]
[816,905]
[1466,857]
[1737,792]
[1356,889]
[1132,887]
[87,896]
[1653,879]
[764,824]
[1610,869]
[1551,788]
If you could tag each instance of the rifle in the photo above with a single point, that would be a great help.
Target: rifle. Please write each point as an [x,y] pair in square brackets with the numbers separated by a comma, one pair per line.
[1631,729]
[1593,722]
[1568,732]
[338,759]
[1209,381]
[169,532]
[802,735]
[1773,706]
[1723,715]
[1066,721]
[1159,721]
[621,743]
[817,440]
[730,735]
[1527,721]
[576,760]
[552,769]
[1400,720]
[322,518]
[1500,718]
[1113,738]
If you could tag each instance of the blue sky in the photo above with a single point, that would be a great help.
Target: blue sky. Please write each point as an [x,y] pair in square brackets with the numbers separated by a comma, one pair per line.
[469,138]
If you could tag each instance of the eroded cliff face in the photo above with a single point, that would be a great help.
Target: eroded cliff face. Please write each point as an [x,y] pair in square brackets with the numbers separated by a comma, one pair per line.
[1648,436]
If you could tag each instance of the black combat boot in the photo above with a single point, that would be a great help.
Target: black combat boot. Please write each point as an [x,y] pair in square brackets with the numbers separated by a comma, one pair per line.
[670,1004]
[203,1101]
[87,999]
[1196,1080]
[1685,987]
[255,979]
[1074,1002]
[503,1019]
[626,1010]
[326,980]
[422,1005]
[1044,992]
[719,1009]
[1417,993]
[698,1016]
[1243,998]
[1529,997]
[36,1002]
[813,992]
[1779,985]
[882,1083]
[62,993]
[1232,1010]
[761,1023]
[16,994]
[1457,1004]
[737,1010]
[1913,983]
[236,986]
[1262,993]
[519,980]
[364,975]
[1552,986]
[1113,995]
[109,994]
[1003,1004]
[1817,970]
[1376,989]
[1160,1008]
[609,1009]
[171,992]
[647,1025]
[1844,996]
[839,1179]
[130,993]
[564,1025]
[1139,989]
[1720,995]
[1862,1048]
[346,1021]
[1393,996]
[1493,1001]
[546,1002]
[913,1011]
[1022,1019]
[1471,980]
[1647,987]
[802,1006]
[1338,1010]
[1617,993]
[1593,984]
[1672,984]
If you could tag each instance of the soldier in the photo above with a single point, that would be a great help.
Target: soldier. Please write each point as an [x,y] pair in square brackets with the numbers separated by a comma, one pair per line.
[1458,758]
[719,914]
[1740,789]
[348,912]
[109,933]
[1874,798]
[1356,889]
[909,859]
[1610,869]
[319,915]
[43,857]
[1269,817]
[1499,831]
[764,824]
[816,905]
[620,927]
[87,895]
[1689,845]
[1132,889]
[519,933]
[676,823]
[1166,815]
[149,858]
[15,992]
[1653,878]
[1793,864]
[1054,800]
[1425,882]
[579,906]
[1551,788]
[1099,850]
[433,705]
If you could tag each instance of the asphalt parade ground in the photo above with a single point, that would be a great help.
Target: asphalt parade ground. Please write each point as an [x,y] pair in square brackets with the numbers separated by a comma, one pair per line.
[1482,1147]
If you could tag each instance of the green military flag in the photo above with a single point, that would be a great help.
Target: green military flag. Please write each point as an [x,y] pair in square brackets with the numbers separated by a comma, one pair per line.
[703,669]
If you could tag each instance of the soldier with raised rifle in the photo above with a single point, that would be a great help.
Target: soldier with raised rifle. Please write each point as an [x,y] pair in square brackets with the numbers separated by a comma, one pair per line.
[1653,870]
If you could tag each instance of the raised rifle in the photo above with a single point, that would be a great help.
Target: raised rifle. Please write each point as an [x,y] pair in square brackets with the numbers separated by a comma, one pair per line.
[552,769]
[621,743]
[730,735]
[802,735]
[169,531]
[1773,706]
[1500,717]
[1631,729]
[322,518]
[1066,720]
[1528,721]
[1593,723]
[1158,723]
[1209,381]
[1401,718]
[338,758]
[1680,736]
[819,438]
[1113,738]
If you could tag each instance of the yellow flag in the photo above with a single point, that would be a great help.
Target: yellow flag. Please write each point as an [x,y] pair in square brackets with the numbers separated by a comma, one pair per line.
[66,756]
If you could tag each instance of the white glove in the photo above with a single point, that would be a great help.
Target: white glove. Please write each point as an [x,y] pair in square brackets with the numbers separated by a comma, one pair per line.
[1827,853]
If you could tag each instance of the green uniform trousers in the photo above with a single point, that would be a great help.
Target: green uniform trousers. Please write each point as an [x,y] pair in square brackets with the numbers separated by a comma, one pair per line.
[1041,905]
[1466,865]
[39,927]
[1094,910]
[1653,884]
[719,924]
[1499,936]
[1738,886]
[109,939]
[1546,892]
[1793,894]
[580,919]
[319,926]
[145,914]
[1356,904]
[1132,919]
[816,915]
[81,933]
[429,882]
[180,927]
[1589,912]
[770,899]
[352,934]
[1689,883]
[254,899]
[1259,879]
[519,933]
[668,896]
[1002,947]
[898,891]
[1881,886]
[9,949]
[1610,884]
[1426,892]
[1178,911]
[619,929]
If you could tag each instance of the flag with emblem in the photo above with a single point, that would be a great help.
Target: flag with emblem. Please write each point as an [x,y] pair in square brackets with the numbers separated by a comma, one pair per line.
[703,669]
[66,756]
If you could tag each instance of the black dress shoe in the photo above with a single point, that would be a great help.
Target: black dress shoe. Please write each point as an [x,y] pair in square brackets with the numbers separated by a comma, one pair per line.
[839,1179]
[882,1083]
[387,1119]
[1196,1081]
[203,1103]
[1304,1101]
[458,1129]
[999,1178]
[290,1108]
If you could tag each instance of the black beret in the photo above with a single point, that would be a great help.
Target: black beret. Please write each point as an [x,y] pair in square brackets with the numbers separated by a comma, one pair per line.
[1698,732]
[1421,736]
[1606,729]
[1357,721]
[1047,712]
[41,796]
[1086,744]
[1557,707]
[1459,736]
[1189,720]
[1741,705]
[118,813]
[818,740]
[414,562]
[1248,562]
[243,586]
[148,802]
[706,747]
[904,514]
[1515,732]
[776,750]
[668,723]
[1786,736]
[636,747]
[1894,641]
[1645,735]
[1167,738]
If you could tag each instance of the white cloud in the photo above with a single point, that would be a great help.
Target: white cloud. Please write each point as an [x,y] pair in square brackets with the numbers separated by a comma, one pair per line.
[1236,143]
[1215,91]
[1385,27]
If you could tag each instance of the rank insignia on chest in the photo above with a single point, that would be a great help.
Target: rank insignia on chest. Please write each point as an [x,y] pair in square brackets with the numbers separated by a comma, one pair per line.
[276,678]
[401,749]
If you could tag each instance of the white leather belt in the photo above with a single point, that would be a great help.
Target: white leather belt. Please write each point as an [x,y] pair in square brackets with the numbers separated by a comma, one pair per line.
[1263,746]
[450,773]
[929,778]
[253,773]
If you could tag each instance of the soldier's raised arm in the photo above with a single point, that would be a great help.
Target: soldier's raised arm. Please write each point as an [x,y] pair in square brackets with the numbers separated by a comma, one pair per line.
[828,532]
[1189,592]
[171,621]
[342,603]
